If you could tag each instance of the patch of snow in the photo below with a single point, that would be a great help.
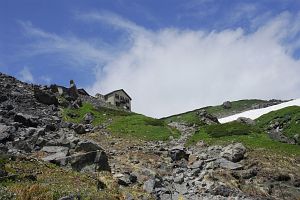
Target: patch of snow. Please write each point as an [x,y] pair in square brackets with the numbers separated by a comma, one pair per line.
[256,113]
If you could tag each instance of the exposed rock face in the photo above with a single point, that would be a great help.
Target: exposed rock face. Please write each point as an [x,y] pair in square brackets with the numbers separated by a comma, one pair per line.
[207,118]
[276,130]
[246,120]
[45,97]
[30,123]
[271,102]
[234,152]
[226,105]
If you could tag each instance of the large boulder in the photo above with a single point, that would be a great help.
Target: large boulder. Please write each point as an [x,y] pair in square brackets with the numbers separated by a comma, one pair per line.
[26,120]
[178,153]
[227,105]
[245,120]
[45,97]
[234,152]
[87,146]
[57,154]
[96,158]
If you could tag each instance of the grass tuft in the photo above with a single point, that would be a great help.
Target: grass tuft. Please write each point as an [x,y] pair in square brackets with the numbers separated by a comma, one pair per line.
[123,123]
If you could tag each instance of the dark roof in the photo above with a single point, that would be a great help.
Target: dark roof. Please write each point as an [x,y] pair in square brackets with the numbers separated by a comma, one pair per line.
[83,92]
[117,91]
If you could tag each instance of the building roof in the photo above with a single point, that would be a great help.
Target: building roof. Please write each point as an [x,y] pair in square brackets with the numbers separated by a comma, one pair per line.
[118,91]
[83,92]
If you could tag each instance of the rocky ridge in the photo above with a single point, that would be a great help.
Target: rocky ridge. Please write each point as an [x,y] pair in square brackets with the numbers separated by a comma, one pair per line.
[31,125]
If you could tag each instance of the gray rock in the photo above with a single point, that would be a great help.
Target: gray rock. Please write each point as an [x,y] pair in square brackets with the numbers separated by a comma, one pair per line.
[197,165]
[181,188]
[207,118]
[23,145]
[80,160]
[4,133]
[226,164]
[88,118]
[227,105]
[127,179]
[3,98]
[58,158]
[149,185]
[45,97]
[79,129]
[245,120]
[87,146]
[234,152]
[26,120]
[178,153]
[55,149]
[179,179]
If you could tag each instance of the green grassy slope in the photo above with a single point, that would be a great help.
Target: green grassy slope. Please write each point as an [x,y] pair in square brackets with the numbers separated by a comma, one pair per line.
[237,107]
[254,136]
[123,123]
[288,118]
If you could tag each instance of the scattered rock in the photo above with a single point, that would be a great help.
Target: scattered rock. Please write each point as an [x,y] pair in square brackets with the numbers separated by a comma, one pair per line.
[234,152]
[207,118]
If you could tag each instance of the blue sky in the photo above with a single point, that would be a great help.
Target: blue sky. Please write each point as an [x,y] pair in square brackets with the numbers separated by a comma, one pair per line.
[171,48]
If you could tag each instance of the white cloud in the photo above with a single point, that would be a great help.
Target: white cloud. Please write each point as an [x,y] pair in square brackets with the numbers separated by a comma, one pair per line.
[69,48]
[171,70]
[25,75]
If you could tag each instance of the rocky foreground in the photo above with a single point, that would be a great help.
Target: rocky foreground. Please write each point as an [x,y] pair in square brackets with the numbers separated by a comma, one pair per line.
[32,128]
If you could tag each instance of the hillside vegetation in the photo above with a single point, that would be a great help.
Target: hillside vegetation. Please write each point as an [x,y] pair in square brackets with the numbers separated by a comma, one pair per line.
[33,179]
[219,111]
[287,118]
[122,123]
[254,136]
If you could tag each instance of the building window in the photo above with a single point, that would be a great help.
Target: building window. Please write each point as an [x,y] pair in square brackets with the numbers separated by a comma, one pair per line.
[117,96]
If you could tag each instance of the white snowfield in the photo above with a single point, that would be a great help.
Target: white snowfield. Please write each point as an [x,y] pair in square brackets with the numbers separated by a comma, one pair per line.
[256,113]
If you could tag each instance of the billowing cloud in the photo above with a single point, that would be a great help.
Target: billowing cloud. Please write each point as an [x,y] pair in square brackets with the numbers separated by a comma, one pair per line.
[26,75]
[171,70]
